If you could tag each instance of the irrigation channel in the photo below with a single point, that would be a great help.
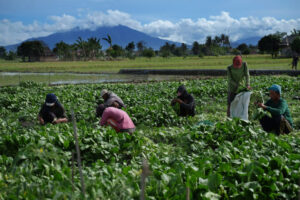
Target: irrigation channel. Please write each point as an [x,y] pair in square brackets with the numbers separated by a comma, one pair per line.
[125,75]
[15,78]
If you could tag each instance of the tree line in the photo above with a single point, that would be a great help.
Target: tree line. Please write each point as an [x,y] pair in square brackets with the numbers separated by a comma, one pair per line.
[91,49]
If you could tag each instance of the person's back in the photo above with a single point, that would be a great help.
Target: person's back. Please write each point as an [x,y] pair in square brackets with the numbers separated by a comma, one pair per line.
[112,97]
[110,100]
[117,118]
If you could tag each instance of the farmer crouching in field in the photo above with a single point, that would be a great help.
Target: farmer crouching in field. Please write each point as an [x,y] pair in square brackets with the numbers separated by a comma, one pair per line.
[52,111]
[184,101]
[281,121]
[236,73]
[116,118]
[110,100]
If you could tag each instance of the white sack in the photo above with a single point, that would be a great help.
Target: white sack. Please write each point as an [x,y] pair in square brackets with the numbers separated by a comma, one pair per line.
[239,106]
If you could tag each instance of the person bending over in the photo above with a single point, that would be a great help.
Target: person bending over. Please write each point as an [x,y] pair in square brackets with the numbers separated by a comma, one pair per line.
[116,118]
[110,100]
[185,101]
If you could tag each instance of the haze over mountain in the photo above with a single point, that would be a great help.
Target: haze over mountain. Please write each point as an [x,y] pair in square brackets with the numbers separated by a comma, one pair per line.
[248,41]
[120,35]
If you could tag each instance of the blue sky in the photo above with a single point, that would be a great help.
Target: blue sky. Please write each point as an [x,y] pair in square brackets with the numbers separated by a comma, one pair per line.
[177,20]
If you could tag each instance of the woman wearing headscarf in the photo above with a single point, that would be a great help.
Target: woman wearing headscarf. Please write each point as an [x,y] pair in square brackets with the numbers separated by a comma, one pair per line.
[281,121]
[236,73]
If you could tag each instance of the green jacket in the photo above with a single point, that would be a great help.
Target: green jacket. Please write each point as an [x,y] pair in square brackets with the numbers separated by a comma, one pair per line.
[235,76]
[279,108]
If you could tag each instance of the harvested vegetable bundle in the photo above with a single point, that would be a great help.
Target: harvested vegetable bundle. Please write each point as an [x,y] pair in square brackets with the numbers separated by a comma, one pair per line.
[256,112]
[242,89]
[257,97]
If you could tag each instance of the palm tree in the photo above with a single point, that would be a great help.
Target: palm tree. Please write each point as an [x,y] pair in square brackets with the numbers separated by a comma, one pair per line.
[94,47]
[80,44]
[223,36]
[208,42]
[62,50]
[108,40]
[227,41]
[140,46]
[295,32]
[217,40]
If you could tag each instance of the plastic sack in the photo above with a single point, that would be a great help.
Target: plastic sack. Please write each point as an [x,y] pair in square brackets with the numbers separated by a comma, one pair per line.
[239,106]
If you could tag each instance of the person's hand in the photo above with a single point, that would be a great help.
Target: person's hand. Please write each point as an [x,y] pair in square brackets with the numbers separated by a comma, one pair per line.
[262,105]
[173,101]
[42,122]
[179,101]
[115,104]
[61,120]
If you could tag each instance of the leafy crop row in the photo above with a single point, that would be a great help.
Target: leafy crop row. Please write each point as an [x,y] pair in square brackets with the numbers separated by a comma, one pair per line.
[220,159]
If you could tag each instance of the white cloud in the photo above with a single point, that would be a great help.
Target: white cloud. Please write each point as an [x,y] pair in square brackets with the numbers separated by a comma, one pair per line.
[185,30]
[111,18]
[188,30]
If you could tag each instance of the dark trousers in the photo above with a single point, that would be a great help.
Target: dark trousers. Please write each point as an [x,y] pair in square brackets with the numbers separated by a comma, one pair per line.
[48,117]
[278,124]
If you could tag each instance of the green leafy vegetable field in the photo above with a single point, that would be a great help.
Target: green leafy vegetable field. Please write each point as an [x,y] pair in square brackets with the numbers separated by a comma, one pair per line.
[207,156]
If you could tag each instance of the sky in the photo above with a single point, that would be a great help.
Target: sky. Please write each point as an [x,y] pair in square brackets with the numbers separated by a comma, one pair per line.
[176,20]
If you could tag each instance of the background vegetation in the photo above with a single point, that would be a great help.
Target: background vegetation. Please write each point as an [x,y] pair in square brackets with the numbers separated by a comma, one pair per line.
[191,62]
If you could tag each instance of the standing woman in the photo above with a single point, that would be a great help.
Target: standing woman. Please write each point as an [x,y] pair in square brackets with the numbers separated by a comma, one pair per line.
[236,73]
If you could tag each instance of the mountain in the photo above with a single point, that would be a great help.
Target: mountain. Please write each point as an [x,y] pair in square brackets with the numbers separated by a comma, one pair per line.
[248,41]
[120,35]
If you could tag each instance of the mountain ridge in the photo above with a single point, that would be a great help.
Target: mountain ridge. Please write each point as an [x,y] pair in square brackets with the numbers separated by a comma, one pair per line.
[121,35]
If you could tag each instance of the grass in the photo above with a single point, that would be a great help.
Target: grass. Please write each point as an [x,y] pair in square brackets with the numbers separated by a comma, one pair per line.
[208,62]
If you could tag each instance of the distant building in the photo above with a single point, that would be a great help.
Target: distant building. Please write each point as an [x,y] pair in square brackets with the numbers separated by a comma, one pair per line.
[48,54]
[285,45]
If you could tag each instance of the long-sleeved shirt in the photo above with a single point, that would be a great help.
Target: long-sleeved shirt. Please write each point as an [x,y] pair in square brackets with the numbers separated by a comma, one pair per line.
[279,108]
[235,76]
[120,116]
[187,108]
[112,97]
[50,113]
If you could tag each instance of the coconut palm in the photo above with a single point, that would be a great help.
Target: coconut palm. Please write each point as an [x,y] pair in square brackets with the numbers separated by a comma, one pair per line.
[81,46]
[94,47]
[108,40]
